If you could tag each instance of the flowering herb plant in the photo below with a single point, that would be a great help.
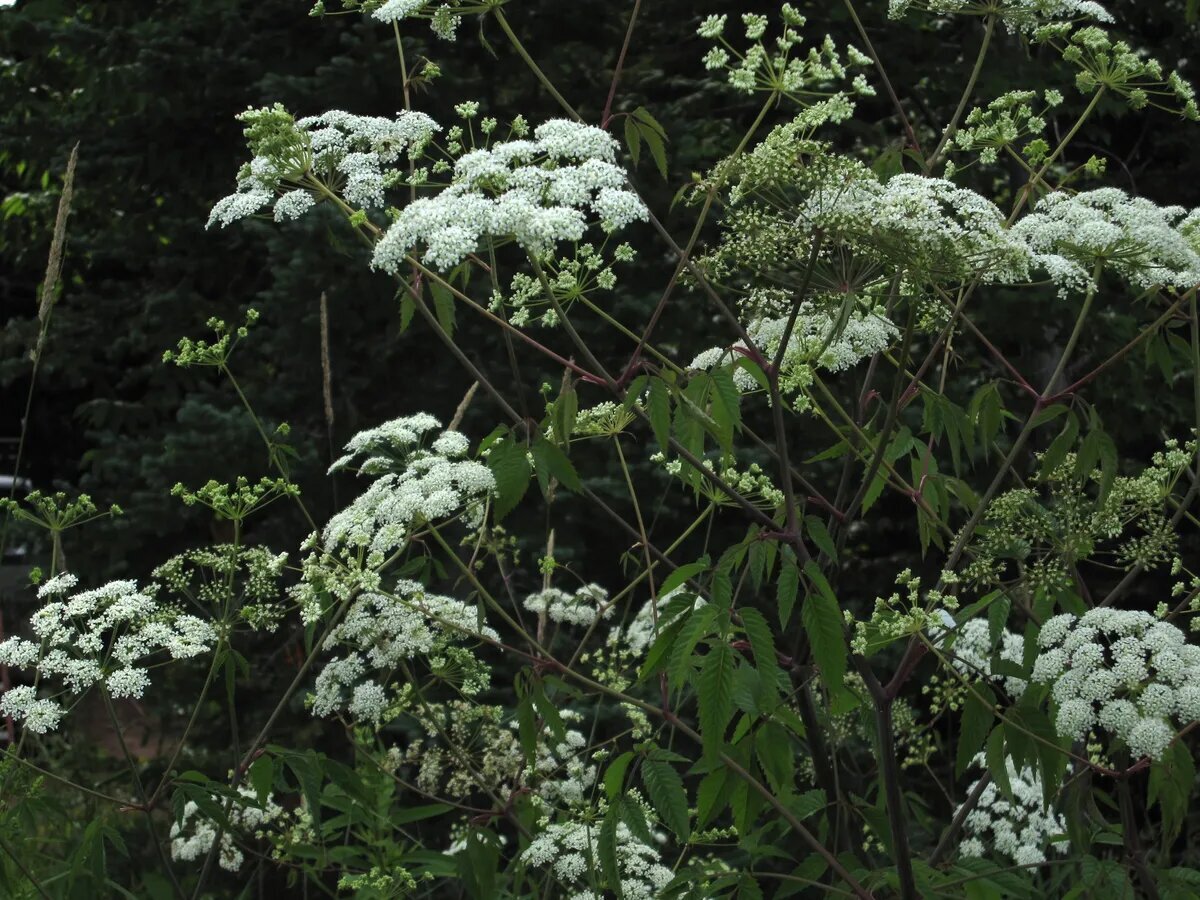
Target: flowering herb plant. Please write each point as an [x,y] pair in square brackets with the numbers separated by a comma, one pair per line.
[709,716]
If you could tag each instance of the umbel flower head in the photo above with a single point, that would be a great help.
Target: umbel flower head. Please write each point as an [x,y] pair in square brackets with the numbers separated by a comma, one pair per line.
[1019,828]
[973,653]
[820,339]
[343,151]
[413,485]
[1123,672]
[107,636]
[193,833]
[1018,15]
[568,850]
[380,631]
[584,607]
[537,192]
[791,192]
[443,15]
[1146,244]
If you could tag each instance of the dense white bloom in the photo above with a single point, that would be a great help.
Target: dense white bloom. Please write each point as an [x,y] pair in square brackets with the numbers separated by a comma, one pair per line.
[293,205]
[1019,829]
[394,10]
[563,773]
[973,652]
[588,604]
[565,850]
[817,341]
[108,634]
[538,192]
[1122,671]
[1022,15]
[39,716]
[1132,236]
[192,835]
[413,485]
[251,196]
[927,224]
[639,633]
[379,632]
[339,146]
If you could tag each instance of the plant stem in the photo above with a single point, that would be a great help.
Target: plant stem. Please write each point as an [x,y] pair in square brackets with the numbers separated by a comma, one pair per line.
[948,134]
[606,116]
[533,66]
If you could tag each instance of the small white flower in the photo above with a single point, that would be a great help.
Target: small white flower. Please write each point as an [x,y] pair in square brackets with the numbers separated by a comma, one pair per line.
[1123,671]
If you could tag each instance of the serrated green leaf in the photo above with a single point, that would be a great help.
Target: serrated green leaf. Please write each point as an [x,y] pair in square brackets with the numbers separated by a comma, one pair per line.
[788,586]
[762,642]
[715,695]
[776,757]
[748,888]
[658,150]
[633,140]
[696,626]
[976,722]
[726,405]
[1049,414]
[874,490]
[607,849]
[566,409]
[510,467]
[822,619]
[659,410]
[443,307]
[262,777]
[711,796]
[682,574]
[551,462]
[807,804]
[664,787]
[816,530]
[407,309]
[614,775]
[660,650]
[1059,447]
[643,115]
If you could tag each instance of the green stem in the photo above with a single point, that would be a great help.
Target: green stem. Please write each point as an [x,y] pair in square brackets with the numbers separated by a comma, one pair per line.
[166,776]
[968,530]
[533,66]
[948,134]
[21,866]
[141,791]
[1024,197]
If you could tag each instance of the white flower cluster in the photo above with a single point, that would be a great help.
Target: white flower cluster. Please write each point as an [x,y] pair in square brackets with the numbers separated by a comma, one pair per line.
[1142,242]
[585,607]
[378,633]
[348,150]
[1123,671]
[926,225]
[636,636]
[818,341]
[1007,119]
[569,851]
[974,650]
[414,485]
[193,834]
[1020,828]
[101,636]
[797,76]
[562,772]
[1018,15]
[443,17]
[537,192]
